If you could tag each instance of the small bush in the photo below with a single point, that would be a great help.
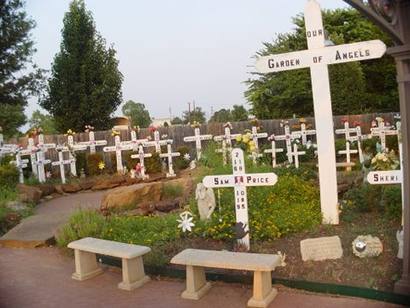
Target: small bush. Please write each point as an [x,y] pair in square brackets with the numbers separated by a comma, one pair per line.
[180,162]
[172,191]
[391,202]
[81,162]
[153,164]
[9,176]
[362,199]
[92,163]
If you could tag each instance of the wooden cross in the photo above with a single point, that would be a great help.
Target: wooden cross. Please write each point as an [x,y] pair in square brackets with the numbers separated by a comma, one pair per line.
[197,138]
[141,156]
[288,137]
[157,142]
[61,162]
[134,142]
[381,131]
[239,180]
[295,154]
[346,131]
[304,133]
[20,165]
[40,163]
[317,58]
[169,155]
[226,143]
[255,136]
[118,148]
[273,150]
[74,147]
[92,143]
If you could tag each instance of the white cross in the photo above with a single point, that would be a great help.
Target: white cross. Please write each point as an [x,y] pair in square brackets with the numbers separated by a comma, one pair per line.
[141,156]
[61,162]
[40,163]
[226,143]
[295,154]
[118,148]
[197,138]
[382,131]
[273,150]
[239,180]
[305,132]
[169,155]
[255,136]
[74,147]
[346,131]
[317,58]
[288,137]
[157,142]
[359,138]
[134,142]
[44,147]
[31,150]
[7,149]
[20,164]
[92,143]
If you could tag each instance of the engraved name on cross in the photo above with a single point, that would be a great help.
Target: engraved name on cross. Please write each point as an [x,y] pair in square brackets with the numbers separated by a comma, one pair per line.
[317,58]
[239,180]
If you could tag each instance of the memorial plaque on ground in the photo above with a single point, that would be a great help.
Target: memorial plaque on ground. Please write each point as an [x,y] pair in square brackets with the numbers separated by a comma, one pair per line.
[321,248]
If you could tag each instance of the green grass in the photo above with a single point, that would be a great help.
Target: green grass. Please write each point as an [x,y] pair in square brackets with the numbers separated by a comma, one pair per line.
[172,191]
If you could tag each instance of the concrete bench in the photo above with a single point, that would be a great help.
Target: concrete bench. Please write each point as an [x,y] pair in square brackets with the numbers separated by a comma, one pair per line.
[261,264]
[133,275]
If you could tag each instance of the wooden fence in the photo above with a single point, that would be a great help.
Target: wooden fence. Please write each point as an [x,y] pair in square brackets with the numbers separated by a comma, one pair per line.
[177,133]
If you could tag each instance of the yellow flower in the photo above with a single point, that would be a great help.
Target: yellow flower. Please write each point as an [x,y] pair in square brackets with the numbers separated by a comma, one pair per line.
[251,143]
[252,148]
[245,139]
[101,165]
[238,138]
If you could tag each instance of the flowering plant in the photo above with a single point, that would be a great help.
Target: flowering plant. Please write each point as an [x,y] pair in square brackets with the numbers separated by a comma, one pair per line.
[385,161]
[245,141]
[195,124]
[69,132]
[254,121]
[152,128]
[115,133]
[136,128]
[88,128]
[284,123]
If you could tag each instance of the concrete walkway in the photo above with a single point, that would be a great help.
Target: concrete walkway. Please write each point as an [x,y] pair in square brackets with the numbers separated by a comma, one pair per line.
[39,229]
[42,278]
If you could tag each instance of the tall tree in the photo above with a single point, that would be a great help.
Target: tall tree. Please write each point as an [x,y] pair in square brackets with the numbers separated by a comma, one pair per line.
[221,116]
[17,83]
[85,85]
[195,115]
[239,113]
[137,112]
[357,87]
[45,121]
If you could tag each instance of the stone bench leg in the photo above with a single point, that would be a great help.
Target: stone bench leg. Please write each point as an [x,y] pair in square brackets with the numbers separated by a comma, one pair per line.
[133,275]
[263,293]
[196,284]
[86,265]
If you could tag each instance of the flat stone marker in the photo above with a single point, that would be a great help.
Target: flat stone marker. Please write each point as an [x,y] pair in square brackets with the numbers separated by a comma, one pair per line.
[321,248]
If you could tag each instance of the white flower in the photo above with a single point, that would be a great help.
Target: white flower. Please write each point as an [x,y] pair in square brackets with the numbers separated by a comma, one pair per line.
[187,157]
[185,223]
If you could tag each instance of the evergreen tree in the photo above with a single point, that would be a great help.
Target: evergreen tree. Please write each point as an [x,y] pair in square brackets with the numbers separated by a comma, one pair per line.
[195,115]
[137,113]
[85,85]
[221,116]
[17,84]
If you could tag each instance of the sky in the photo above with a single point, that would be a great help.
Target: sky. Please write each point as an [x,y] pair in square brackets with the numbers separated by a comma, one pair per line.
[174,52]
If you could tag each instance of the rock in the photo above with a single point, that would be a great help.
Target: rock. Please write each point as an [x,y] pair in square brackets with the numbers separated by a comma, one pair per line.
[132,196]
[132,181]
[146,208]
[87,184]
[29,194]
[46,189]
[167,205]
[16,206]
[112,182]
[365,246]
[321,248]
[59,189]
[71,188]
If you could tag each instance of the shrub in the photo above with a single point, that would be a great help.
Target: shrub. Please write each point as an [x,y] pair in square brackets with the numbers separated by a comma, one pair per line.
[364,198]
[9,176]
[391,202]
[180,162]
[80,161]
[153,164]
[92,163]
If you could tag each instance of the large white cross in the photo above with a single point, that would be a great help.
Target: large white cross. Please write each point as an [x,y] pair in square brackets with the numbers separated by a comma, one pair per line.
[44,147]
[305,132]
[226,143]
[295,154]
[134,142]
[273,150]
[61,162]
[255,136]
[169,155]
[74,147]
[118,148]
[382,131]
[157,142]
[92,143]
[347,131]
[197,138]
[20,165]
[317,58]
[40,163]
[141,156]
[288,137]
[239,180]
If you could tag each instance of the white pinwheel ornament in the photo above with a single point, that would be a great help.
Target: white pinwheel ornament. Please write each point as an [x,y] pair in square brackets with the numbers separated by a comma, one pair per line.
[185,223]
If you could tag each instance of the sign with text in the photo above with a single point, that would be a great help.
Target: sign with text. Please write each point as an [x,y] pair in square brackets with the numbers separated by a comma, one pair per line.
[385,177]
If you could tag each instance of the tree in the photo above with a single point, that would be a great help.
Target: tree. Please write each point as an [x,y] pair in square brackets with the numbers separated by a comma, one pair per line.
[137,112]
[85,83]
[239,113]
[177,121]
[356,87]
[45,121]
[221,116]
[195,115]
[17,83]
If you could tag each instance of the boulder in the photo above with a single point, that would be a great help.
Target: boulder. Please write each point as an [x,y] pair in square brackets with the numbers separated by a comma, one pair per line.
[167,205]
[46,189]
[29,194]
[111,182]
[131,196]
[59,189]
[71,188]
[87,184]
[130,181]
